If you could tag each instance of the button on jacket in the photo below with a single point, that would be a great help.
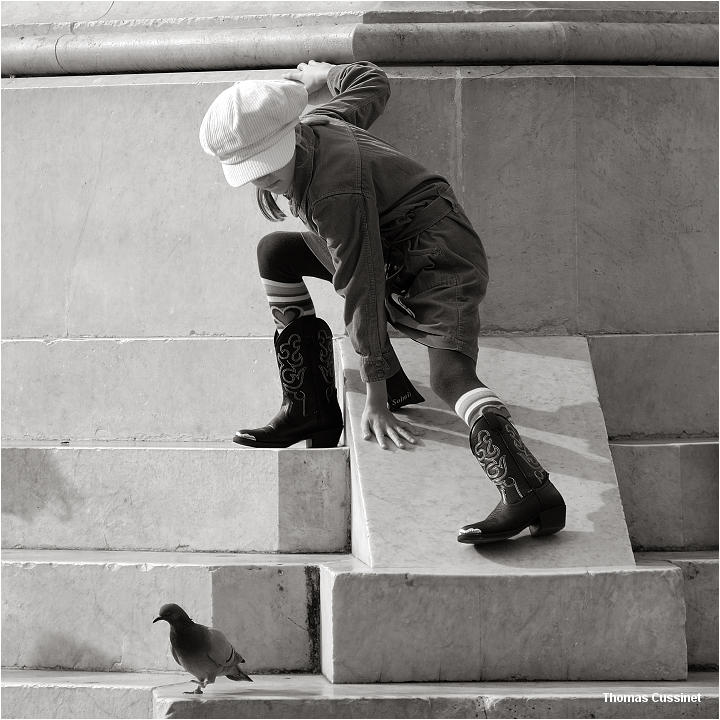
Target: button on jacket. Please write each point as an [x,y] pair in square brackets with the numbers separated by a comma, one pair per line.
[359,196]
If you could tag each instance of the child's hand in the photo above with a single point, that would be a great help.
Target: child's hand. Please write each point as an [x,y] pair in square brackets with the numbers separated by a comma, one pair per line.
[313,75]
[379,422]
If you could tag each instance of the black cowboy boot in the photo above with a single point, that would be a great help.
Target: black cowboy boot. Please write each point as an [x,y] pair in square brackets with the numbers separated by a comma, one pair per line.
[401,392]
[528,498]
[310,409]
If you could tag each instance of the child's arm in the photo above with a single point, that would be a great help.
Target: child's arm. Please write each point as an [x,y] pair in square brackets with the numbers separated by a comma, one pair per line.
[360,90]
[349,223]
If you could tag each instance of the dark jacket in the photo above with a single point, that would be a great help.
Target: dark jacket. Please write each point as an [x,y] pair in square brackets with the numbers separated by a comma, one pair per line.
[358,195]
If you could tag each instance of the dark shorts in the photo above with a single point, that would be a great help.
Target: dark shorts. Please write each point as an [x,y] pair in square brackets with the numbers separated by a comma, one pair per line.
[434,298]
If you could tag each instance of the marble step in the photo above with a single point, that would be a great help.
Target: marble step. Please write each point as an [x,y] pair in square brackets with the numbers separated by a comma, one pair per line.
[432,624]
[312,697]
[93,610]
[700,589]
[72,694]
[130,253]
[52,694]
[215,497]
[382,625]
[149,389]
[669,491]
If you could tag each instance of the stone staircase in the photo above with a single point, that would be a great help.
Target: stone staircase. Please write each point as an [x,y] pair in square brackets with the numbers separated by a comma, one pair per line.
[137,339]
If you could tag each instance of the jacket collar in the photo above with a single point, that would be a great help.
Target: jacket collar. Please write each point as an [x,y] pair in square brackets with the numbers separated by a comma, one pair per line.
[305,143]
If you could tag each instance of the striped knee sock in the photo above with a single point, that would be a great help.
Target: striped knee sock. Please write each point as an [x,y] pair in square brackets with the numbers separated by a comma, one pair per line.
[288,301]
[470,405]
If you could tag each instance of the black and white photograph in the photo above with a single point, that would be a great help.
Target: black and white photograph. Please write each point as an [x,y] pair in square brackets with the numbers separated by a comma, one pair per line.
[359,359]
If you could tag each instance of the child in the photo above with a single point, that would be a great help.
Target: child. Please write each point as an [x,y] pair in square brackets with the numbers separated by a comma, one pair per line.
[397,246]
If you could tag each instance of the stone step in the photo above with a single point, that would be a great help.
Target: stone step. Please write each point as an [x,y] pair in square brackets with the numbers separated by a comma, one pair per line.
[171,389]
[657,385]
[313,696]
[700,589]
[669,491]
[131,253]
[373,625]
[431,624]
[93,610]
[216,497]
[69,694]
[32,694]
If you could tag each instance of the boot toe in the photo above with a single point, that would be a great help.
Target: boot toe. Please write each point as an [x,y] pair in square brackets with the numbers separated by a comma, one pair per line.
[469,534]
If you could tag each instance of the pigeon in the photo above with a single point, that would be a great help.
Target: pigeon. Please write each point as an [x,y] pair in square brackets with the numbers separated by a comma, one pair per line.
[204,652]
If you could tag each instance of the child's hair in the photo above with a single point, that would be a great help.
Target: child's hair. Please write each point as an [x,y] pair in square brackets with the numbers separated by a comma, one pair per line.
[265,200]
[268,207]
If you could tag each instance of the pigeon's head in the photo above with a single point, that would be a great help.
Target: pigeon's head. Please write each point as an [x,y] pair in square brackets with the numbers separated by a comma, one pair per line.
[173,614]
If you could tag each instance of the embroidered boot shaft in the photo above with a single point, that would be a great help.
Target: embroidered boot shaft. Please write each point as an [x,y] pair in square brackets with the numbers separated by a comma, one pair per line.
[309,410]
[527,497]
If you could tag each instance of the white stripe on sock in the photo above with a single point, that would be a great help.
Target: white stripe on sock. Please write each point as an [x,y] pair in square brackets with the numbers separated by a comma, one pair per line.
[470,405]
[282,284]
[284,299]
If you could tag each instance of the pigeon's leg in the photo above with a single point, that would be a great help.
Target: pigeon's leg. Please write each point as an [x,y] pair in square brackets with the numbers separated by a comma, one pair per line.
[197,690]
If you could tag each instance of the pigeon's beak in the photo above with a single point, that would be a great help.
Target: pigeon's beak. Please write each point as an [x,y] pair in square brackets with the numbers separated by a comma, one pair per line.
[156,619]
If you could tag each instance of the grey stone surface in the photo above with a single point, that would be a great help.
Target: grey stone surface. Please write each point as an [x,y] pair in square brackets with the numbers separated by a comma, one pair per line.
[550,179]
[273,611]
[516,182]
[439,38]
[132,251]
[85,610]
[656,706]
[389,626]
[669,492]
[49,694]
[645,199]
[700,588]
[412,502]
[53,694]
[312,696]
[160,498]
[657,385]
[315,11]
[162,247]
[175,389]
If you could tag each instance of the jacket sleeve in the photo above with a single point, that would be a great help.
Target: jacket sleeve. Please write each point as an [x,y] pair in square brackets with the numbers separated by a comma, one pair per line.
[360,92]
[349,224]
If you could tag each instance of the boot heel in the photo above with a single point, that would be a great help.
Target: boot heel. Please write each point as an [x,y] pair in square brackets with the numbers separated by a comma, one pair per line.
[326,439]
[549,521]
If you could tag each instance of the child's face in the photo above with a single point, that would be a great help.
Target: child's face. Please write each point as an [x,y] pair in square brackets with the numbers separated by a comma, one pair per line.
[279,181]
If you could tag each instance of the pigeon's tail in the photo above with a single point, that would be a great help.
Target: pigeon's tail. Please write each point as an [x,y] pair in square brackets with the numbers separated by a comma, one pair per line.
[238,675]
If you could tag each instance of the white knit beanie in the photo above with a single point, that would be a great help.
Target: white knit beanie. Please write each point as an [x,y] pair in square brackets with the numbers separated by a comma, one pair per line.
[250,127]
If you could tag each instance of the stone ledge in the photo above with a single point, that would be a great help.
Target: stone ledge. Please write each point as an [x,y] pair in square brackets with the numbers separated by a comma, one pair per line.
[63,694]
[457,43]
[390,625]
[266,604]
[551,133]
[313,696]
[135,497]
[657,385]
[33,694]
[156,15]
[150,389]
[669,491]
[700,588]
